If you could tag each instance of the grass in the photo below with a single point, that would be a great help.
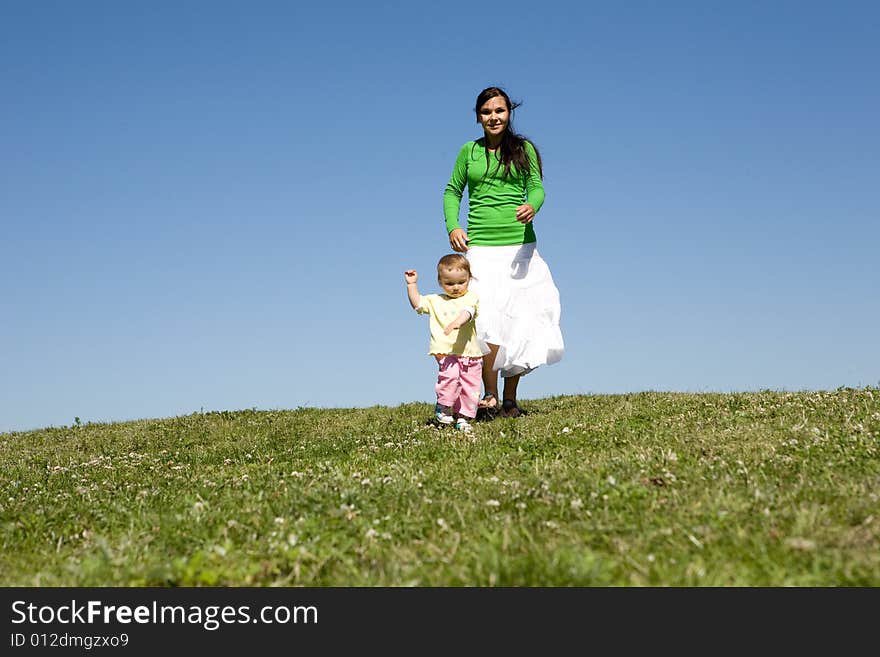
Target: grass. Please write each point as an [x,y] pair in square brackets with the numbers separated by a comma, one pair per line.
[649,489]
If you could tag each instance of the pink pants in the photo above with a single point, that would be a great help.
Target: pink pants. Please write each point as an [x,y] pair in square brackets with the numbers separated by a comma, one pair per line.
[458,384]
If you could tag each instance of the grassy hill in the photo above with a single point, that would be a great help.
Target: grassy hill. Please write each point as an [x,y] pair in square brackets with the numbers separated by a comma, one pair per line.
[769,488]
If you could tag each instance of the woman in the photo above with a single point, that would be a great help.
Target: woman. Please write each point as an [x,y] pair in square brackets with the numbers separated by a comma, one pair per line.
[518,324]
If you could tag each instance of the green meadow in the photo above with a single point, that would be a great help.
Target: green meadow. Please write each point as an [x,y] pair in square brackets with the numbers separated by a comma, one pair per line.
[650,489]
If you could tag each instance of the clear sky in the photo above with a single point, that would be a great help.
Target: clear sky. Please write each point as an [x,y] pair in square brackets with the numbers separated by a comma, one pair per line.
[210,205]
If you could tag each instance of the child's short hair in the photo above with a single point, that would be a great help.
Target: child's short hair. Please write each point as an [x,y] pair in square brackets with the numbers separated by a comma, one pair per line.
[454,261]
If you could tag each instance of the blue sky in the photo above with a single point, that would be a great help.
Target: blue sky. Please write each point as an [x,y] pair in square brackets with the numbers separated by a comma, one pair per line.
[210,205]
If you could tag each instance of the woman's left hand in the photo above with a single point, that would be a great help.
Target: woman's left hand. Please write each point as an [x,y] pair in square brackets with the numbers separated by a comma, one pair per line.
[525,213]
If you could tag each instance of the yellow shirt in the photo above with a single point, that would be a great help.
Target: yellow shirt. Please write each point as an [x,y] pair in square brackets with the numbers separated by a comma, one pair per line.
[441,310]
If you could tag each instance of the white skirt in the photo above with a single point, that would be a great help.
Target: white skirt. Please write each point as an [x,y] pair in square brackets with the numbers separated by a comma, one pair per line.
[519,307]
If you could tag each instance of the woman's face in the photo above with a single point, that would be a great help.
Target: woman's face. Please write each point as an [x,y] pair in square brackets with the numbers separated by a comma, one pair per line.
[494,116]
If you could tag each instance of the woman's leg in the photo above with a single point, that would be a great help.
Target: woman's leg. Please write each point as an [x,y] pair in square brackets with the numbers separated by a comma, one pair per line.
[510,385]
[490,377]
[509,407]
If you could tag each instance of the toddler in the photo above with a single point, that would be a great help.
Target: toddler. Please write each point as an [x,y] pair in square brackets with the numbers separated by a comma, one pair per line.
[453,339]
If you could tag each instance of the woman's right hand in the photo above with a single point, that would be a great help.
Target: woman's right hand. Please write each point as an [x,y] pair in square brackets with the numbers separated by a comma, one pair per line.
[458,240]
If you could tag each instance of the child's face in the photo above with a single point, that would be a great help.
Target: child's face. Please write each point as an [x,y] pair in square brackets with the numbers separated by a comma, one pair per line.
[454,281]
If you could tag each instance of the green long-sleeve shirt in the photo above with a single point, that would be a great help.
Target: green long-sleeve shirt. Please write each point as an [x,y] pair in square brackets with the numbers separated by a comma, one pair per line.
[492,198]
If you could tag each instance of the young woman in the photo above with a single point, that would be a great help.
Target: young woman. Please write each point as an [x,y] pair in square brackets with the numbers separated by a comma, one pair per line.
[518,324]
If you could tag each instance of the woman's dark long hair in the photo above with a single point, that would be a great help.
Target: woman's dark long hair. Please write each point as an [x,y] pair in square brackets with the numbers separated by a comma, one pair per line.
[512,152]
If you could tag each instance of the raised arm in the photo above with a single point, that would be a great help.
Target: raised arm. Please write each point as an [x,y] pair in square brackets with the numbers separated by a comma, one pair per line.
[412,290]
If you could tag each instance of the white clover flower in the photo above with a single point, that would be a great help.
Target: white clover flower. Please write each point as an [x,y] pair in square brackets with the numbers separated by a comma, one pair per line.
[801,544]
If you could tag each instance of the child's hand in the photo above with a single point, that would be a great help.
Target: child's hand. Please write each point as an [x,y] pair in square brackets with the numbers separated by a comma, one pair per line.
[463,318]
[456,324]
[410,276]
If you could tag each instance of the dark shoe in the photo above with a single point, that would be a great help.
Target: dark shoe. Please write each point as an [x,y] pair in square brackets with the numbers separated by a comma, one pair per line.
[510,409]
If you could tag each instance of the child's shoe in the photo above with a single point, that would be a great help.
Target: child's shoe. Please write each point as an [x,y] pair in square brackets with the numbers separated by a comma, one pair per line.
[463,425]
[442,414]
